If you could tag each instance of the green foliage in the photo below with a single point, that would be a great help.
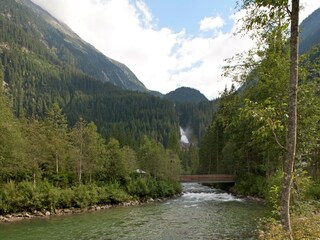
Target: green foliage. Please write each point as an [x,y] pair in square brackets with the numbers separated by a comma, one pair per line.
[158,162]
[66,199]
[272,193]
[48,169]
[138,187]
[247,133]
[56,115]
[250,185]
[25,196]
[302,228]
[9,198]
[196,117]
[42,66]
[146,187]
[85,195]
[314,191]
[189,160]
[116,193]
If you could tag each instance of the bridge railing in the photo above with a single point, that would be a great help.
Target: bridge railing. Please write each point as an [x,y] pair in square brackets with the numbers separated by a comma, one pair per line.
[208,178]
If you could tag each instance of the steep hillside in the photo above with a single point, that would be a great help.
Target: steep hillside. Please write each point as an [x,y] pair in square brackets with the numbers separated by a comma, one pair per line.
[36,29]
[44,62]
[310,32]
[195,111]
[185,94]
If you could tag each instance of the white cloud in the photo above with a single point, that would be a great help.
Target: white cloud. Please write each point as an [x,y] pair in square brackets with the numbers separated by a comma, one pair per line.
[211,23]
[308,6]
[161,58]
[147,17]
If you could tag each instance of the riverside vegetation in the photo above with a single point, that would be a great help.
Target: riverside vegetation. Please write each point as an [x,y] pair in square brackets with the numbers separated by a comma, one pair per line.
[51,160]
[247,136]
[45,165]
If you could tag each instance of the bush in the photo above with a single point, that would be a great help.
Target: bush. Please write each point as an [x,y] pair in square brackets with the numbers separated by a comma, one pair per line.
[138,187]
[83,196]
[145,187]
[273,192]
[24,196]
[314,191]
[30,199]
[251,185]
[9,198]
[116,193]
[66,199]
[302,228]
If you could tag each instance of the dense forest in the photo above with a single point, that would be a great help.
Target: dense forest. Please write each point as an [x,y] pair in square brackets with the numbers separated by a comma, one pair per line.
[40,68]
[71,137]
[186,94]
[68,138]
[248,133]
[45,164]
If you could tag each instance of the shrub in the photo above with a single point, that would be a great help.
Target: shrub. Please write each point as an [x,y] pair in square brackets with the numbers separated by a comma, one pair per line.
[53,198]
[302,228]
[116,193]
[314,191]
[66,198]
[138,187]
[82,197]
[250,184]
[30,197]
[273,192]
[9,198]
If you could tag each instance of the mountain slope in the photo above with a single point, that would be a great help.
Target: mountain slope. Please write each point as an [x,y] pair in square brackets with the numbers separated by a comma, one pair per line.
[46,63]
[63,44]
[310,32]
[185,94]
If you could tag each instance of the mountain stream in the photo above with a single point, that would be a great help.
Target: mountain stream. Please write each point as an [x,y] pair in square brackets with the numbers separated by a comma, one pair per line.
[200,213]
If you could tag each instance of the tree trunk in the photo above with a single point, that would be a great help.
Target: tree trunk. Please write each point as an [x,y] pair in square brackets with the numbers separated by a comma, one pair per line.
[57,163]
[292,118]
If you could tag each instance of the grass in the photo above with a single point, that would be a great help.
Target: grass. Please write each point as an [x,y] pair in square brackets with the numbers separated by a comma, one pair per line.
[303,228]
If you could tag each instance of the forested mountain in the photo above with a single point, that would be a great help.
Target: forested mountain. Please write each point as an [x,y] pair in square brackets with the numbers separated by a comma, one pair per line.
[310,32]
[44,62]
[53,89]
[65,45]
[194,110]
[185,94]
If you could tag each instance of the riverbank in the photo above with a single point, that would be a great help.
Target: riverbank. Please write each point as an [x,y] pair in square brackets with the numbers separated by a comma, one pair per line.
[306,227]
[200,213]
[16,217]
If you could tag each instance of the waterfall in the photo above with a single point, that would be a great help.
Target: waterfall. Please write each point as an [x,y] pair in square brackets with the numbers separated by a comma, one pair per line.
[183,138]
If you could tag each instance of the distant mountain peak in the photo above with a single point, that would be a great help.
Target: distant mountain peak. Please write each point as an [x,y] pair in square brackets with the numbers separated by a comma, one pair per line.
[186,94]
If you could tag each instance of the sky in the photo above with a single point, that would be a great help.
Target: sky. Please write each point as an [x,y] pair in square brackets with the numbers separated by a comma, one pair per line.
[166,43]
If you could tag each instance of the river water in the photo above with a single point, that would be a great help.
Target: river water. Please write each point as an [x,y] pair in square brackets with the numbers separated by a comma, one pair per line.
[200,213]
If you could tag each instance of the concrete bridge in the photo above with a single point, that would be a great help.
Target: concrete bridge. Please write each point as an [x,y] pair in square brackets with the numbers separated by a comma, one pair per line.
[209,178]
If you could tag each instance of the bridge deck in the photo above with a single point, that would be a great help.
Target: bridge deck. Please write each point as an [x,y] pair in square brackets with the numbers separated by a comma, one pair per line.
[212,178]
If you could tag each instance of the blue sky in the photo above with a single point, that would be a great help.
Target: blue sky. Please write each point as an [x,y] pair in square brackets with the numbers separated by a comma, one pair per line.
[187,14]
[166,43]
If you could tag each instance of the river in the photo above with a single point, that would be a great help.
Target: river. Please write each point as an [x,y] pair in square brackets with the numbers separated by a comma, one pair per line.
[200,213]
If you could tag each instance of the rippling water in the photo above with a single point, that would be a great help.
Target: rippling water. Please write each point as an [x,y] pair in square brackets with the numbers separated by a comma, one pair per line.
[200,213]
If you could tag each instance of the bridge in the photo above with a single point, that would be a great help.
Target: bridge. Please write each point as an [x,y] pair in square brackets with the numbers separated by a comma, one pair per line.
[209,178]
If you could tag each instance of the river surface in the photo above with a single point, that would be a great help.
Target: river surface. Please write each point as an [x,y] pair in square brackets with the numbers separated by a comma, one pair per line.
[200,213]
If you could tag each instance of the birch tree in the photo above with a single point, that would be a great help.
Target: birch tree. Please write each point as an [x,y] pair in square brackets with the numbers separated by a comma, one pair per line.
[262,17]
